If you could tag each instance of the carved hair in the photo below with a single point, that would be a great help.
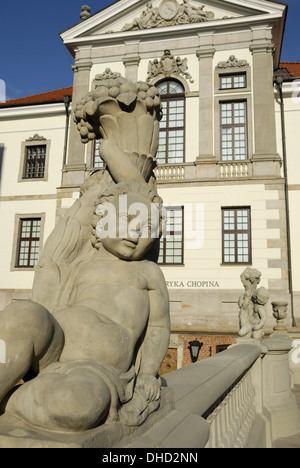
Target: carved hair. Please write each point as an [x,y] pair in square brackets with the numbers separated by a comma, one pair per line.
[252,275]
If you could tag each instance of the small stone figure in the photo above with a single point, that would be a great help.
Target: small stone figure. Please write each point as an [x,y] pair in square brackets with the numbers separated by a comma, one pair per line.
[98,354]
[168,66]
[85,12]
[252,315]
[260,299]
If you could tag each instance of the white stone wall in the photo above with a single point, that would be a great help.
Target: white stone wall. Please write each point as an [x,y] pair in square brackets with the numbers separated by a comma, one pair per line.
[28,197]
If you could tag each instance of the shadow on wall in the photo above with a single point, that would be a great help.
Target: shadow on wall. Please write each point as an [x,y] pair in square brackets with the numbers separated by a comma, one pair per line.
[1,162]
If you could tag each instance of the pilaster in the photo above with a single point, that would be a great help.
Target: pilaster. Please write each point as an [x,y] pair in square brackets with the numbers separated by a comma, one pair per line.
[74,169]
[131,65]
[264,107]
[205,56]
[131,60]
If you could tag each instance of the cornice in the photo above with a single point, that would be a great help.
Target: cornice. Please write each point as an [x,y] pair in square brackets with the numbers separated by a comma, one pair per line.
[173,31]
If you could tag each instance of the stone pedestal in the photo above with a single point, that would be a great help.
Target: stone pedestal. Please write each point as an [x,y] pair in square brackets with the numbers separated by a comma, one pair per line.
[279,404]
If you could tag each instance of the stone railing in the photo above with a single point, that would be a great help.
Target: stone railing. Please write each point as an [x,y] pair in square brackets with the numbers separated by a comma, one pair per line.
[229,170]
[239,398]
[231,422]
[170,172]
[212,170]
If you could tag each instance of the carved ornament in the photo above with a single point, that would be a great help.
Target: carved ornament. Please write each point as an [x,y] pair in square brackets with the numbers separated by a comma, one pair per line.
[232,62]
[168,66]
[169,13]
[36,137]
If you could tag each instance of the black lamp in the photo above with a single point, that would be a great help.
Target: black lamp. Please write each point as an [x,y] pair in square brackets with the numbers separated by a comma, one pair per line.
[194,348]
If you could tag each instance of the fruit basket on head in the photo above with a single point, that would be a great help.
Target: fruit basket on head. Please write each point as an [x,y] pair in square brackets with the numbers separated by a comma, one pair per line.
[124,113]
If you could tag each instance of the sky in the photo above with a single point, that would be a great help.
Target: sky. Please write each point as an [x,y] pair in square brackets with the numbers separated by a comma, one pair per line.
[33,58]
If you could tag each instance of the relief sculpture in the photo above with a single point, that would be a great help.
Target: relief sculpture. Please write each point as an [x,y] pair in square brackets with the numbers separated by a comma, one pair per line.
[169,13]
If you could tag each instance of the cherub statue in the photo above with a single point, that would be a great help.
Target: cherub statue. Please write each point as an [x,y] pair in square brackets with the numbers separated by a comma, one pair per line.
[90,342]
[252,315]
[104,346]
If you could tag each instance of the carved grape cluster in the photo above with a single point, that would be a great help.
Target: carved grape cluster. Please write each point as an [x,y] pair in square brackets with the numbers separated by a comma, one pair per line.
[110,97]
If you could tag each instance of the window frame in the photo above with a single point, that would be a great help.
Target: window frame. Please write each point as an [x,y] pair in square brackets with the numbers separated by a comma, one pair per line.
[232,76]
[236,231]
[19,217]
[30,239]
[164,239]
[170,97]
[234,126]
[23,162]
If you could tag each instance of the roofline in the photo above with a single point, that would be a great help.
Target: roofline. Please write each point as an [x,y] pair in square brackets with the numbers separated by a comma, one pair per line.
[9,103]
[27,104]
[93,14]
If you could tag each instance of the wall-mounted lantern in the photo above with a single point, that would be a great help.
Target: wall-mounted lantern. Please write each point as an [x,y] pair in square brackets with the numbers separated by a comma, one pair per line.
[194,348]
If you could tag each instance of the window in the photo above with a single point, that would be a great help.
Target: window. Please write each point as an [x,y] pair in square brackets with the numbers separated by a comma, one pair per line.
[235,81]
[28,242]
[35,160]
[236,235]
[97,161]
[171,243]
[172,134]
[234,131]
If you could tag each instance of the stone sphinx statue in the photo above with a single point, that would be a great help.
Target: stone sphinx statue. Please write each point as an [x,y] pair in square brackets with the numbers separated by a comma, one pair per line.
[252,315]
[89,344]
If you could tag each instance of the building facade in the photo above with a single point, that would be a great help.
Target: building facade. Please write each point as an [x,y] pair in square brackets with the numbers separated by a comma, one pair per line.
[228,165]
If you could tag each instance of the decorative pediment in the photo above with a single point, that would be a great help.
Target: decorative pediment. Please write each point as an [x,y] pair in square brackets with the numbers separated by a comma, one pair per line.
[168,13]
[127,18]
[168,66]
[36,137]
[232,62]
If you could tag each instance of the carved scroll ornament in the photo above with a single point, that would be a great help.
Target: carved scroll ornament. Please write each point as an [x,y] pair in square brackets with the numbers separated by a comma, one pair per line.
[168,66]
[232,62]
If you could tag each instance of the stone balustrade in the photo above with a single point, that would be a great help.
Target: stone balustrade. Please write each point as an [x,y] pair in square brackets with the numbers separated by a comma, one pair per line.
[170,172]
[240,398]
[229,170]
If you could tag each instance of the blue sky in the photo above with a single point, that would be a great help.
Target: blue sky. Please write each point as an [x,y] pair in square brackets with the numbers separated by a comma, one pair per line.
[33,58]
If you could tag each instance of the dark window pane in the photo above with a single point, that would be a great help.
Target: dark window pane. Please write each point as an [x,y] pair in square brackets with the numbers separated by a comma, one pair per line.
[171,243]
[236,235]
[28,242]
